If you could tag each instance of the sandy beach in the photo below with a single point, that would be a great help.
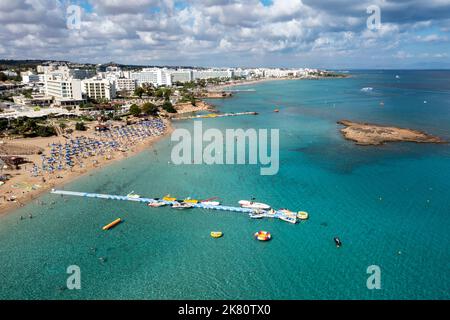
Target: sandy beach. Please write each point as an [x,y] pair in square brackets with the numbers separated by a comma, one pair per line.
[23,187]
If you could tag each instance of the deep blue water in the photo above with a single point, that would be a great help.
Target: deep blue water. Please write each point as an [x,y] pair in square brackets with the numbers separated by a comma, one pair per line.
[389,205]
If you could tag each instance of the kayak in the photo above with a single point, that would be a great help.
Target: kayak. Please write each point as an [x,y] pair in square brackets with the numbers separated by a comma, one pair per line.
[253,205]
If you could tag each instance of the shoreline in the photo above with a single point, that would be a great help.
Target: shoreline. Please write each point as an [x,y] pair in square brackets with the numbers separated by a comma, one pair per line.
[257,81]
[247,82]
[22,175]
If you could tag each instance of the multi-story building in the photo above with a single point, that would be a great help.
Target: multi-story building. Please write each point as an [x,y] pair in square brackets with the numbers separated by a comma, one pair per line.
[65,91]
[240,72]
[157,77]
[99,89]
[29,77]
[213,73]
[124,84]
[181,75]
[279,73]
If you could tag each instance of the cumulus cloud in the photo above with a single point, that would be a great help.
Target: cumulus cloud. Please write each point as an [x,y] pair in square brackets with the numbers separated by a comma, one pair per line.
[231,32]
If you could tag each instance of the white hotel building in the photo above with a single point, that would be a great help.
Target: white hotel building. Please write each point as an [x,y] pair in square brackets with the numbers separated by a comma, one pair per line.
[65,91]
[155,76]
[213,73]
[124,84]
[181,75]
[99,89]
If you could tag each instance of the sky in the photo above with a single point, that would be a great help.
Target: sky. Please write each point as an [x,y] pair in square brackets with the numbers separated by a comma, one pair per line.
[332,34]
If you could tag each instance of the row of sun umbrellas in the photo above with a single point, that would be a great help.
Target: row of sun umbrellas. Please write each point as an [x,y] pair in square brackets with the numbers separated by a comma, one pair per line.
[74,150]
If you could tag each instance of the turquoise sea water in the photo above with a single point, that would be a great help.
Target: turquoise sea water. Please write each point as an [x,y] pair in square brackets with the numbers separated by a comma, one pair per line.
[379,200]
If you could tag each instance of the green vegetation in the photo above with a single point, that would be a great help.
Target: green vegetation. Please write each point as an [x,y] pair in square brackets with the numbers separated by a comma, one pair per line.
[28,93]
[149,109]
[169,107]
[80,126]
[135,110]
[86,105]
[139,91]
[4,77]
[27,127]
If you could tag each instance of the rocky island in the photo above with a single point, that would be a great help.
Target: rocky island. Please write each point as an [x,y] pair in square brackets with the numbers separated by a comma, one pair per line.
[371,134]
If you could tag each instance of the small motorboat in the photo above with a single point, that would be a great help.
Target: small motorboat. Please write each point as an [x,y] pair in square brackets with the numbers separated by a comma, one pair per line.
[302,215]
[157,204]
[338,242]
[182,205]
[276,110]
[133,195]
[216,234]
[112,224]
[263,236]
[210,203]
[253,205]
[289,219]
[256,215]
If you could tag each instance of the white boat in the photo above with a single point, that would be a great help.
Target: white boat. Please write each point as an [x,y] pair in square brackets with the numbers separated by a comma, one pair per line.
[182,205]
[210,203]
[133,195]
[288,219]
[253,205]
[256,215]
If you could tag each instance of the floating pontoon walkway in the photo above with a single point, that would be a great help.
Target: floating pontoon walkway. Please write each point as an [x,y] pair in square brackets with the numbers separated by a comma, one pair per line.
[260,213]
[216,115]
[148,200]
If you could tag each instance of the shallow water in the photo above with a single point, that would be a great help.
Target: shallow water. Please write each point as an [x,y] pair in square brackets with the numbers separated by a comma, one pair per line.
[389,205]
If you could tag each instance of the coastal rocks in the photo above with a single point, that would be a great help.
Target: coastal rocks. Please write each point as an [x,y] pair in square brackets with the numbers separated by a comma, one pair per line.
[214,94]
[371,134]
[188,107]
